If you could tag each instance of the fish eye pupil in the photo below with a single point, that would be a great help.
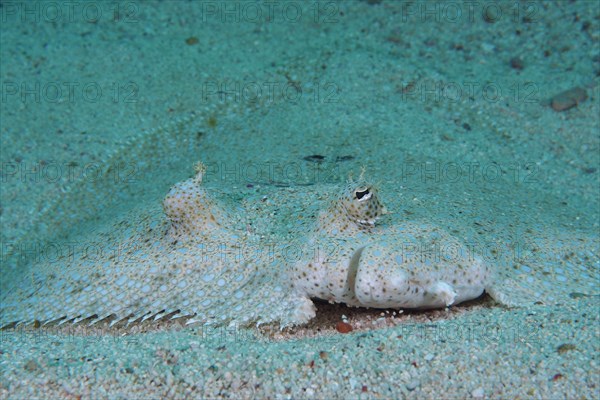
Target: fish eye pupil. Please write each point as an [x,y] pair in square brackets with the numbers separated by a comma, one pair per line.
[361,193]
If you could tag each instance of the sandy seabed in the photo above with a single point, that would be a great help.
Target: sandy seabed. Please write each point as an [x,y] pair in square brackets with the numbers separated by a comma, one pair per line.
[432,98]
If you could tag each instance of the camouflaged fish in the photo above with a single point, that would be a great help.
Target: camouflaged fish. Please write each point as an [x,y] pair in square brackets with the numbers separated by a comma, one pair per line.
[215,260]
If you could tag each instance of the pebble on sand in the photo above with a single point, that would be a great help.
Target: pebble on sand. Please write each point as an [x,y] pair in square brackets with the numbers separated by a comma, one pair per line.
[343,327]
[568,99]
[517,63]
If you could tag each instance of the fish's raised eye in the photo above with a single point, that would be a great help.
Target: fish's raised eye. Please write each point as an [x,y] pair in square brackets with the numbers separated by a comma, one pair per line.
[363,194]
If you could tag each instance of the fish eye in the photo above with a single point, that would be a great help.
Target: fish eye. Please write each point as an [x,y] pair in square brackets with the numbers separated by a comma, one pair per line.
[363,194]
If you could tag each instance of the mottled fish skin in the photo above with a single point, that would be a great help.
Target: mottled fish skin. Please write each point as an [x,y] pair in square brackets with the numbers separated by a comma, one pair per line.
[371,264]
[190,258]
[189,263]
